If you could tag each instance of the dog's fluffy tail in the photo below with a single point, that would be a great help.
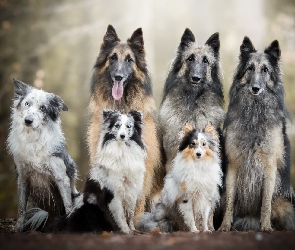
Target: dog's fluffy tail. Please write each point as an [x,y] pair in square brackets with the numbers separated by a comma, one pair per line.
[39,220]
[157,219]
[147,223]
[36,219]
[247,223]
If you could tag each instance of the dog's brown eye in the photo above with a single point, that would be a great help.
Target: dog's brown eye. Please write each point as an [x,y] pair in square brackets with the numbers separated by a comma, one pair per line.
[193,144]
[265,69]
[113,57]
[129,59]
[42,108]
[204,144]
[205,60]
[251,67]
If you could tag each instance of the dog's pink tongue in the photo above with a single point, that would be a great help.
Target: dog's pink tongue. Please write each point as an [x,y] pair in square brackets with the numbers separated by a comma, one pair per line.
[117,90]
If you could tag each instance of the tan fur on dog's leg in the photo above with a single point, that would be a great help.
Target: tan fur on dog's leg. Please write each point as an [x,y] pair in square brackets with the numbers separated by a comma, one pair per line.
[230,198]
[210,221]
[152,179]
[268,189]
[94,129]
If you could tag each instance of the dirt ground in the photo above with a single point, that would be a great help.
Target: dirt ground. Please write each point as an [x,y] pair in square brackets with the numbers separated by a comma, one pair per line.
[155,240]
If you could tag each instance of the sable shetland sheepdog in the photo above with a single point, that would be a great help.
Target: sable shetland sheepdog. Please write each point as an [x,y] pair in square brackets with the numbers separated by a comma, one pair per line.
[115,181]
[121,81]
[259,194]
[191,188]
[45,171]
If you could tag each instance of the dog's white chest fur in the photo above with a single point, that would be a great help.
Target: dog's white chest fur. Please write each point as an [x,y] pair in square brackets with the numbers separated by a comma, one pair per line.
[33,145]
[120,168]
[192,180]
[32,148]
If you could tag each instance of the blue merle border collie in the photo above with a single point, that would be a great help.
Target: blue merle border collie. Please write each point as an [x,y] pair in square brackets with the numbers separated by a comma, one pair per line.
[115,180]
[46,173]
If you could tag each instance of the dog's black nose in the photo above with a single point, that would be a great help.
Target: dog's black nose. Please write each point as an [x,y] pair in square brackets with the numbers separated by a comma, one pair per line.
[196,78]
[118,78]
[122,136]
[28,121]
[198,154]
[255,90]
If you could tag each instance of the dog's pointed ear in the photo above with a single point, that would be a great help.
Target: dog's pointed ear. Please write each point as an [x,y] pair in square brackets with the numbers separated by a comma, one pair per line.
[136,40]
[137,115]
[211,131]
[57,102]
[187,38]
[20,88]
[108,113]
[187,129]
[111,36]
[273,50]
[246,48]
[214,43]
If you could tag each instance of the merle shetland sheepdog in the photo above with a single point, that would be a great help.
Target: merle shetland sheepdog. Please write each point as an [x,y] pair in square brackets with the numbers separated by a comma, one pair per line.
[115,181]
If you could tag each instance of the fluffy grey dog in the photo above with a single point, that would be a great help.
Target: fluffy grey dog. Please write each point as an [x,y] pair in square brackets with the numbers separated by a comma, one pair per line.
[192,93]
[258,188]
[46,173]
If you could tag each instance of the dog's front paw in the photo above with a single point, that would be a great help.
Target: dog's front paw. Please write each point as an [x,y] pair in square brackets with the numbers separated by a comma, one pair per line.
[19,226]
[225,227]
[195,230]
[211,228]
[266,228]
[126,230]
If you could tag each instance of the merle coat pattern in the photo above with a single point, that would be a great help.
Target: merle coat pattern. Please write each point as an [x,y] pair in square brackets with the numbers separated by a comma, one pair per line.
[45,171]
[115,181]
[258,188]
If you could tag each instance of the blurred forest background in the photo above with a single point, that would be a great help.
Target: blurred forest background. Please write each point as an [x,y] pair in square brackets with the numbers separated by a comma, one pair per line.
[53,45]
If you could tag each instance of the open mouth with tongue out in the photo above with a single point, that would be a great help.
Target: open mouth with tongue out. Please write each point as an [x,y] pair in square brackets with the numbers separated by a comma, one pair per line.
[117,90]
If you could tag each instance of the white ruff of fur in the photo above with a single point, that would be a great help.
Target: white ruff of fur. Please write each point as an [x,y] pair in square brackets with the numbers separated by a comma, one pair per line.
[33,144]
[32,147]
[202,178]
[120,168]
[192,185]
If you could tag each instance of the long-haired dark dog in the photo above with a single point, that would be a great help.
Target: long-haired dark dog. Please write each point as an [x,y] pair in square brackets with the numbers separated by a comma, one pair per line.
[193,91]
[121,81]
[258,188]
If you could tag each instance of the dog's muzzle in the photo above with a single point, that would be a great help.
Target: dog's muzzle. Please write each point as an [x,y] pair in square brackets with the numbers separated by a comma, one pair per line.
[196,79]
[28,121]
[256,90]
